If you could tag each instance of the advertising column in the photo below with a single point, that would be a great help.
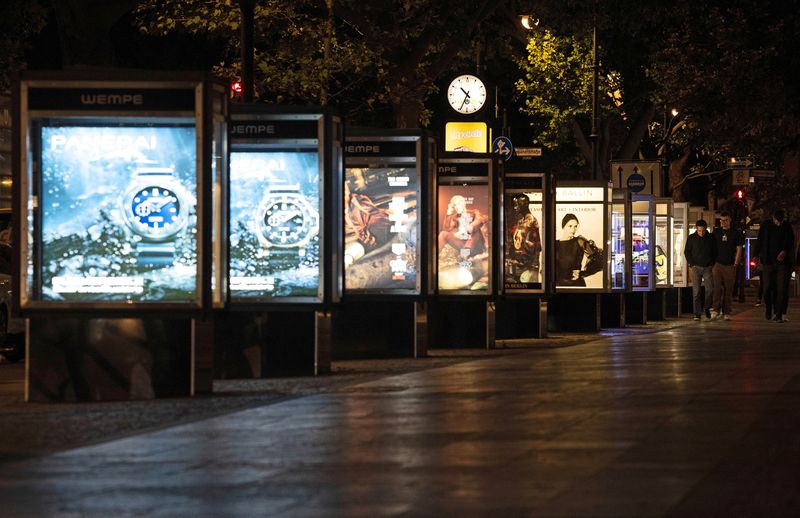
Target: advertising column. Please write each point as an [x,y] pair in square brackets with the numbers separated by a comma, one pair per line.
[386,278]
[120,187]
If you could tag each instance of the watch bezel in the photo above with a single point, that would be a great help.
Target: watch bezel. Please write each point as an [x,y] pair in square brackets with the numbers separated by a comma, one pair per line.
[144,231]
[262,228]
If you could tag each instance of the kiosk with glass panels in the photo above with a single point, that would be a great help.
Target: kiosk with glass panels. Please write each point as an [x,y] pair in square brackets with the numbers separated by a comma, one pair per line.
[464,215]
[662,256]
[388,183]
[591,226]
[680,232]
[121,183]
[642,242]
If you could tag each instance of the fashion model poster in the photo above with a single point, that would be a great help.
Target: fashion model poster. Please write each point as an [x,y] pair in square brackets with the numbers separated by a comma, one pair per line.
[464,237]
[678,240]
[523,238]
[662,247]
[118,213]
[579,245]
[274,224]
[380,220]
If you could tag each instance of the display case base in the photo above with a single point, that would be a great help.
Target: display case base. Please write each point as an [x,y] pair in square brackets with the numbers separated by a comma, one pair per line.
[657,304]
[672,302]
[636,308]
[574,312]
[612,310]
[374,329]
[521,318]
[112,359]
[457,323]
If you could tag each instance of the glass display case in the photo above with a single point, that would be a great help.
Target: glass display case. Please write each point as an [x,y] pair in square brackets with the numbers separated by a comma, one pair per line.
[464,254]
[523,233]
[620,260]
[680,232]
[642,242]
[663,243]
[120,187]
[282,164]
[385,193]
[590,225]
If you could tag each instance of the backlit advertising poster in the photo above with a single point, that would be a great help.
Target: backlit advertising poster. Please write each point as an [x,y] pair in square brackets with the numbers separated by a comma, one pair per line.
[640,257]
[579,238]
[618,266]
[274,224]
[523,241]
[118,213]
[662,249]
[464,238]
[380,217]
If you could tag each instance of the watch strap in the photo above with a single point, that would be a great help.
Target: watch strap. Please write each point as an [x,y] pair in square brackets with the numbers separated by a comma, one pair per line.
[156,254]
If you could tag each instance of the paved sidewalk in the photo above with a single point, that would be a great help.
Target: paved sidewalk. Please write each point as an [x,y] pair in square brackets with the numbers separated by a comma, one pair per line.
[698,419]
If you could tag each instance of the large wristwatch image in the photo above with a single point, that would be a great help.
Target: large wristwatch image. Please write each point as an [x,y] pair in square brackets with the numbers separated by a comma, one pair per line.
[285,221]
[155,207]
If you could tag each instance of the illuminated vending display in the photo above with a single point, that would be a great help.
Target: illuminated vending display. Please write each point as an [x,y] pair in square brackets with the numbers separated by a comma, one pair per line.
[620,229]
[117,182]
[279,164]
[524,236]
[588,232]
[383,214]
[642,242]
[464,226]
[680,232]
[664,243]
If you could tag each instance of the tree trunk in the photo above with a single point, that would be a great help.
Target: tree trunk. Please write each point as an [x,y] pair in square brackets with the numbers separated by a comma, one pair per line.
[676,168]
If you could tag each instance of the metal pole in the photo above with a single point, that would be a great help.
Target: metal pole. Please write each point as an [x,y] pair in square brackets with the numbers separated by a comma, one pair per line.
[595,99]
[247,7]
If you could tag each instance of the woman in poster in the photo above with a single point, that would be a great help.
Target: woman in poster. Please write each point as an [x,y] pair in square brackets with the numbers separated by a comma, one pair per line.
[463,229]
[576,256]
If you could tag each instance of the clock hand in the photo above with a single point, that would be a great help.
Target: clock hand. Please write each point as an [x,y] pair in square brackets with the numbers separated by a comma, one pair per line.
[465,92]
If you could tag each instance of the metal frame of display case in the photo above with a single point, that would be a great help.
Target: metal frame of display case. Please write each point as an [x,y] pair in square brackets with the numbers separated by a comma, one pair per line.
[466,169]
[643,206]
[368,148]
[120,99]
[664,218]
[510,184]
[680,231]
[259,128]
[621,199]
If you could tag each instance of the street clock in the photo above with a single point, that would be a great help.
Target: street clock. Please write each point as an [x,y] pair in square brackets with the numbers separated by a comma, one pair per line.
[466,94]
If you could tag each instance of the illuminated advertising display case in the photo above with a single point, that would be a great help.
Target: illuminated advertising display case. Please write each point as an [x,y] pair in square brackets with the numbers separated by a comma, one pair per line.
[620,229]
[680,232]
[590,226]
[386,190]
[523,224]
[285,192]
[664,243]
[464,216]
[121,184]
[642,242]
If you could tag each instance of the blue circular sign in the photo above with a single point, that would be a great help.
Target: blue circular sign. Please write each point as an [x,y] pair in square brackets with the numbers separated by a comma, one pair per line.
[636,182]
[502,146]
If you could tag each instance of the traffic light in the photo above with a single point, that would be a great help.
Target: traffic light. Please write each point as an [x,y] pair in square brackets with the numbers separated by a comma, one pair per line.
[739,195]
[236,89]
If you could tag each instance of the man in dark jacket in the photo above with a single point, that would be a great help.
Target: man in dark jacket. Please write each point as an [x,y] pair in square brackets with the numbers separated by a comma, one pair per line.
[700,253]
[774,249]
[729,242]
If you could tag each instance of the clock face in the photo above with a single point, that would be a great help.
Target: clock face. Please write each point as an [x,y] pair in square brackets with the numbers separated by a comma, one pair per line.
[156,210]
[466,94]
[287,221]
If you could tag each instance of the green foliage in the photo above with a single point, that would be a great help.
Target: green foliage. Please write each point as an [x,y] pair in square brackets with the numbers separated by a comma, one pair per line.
[557,84]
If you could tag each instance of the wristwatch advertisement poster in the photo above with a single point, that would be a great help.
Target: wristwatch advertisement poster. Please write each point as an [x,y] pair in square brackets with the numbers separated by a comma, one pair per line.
[380,220]
[523,241]
[464,238]
[274,224]
[118,213]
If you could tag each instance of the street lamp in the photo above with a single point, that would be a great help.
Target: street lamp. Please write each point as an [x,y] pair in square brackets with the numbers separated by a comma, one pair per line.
[528,21]
[664,148]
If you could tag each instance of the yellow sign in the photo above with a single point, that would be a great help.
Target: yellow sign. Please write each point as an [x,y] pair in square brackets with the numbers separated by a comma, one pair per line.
[471,137]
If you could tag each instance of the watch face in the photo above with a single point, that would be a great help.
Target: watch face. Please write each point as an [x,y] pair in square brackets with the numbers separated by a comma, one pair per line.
[466,94]
[288,221]
[156,211]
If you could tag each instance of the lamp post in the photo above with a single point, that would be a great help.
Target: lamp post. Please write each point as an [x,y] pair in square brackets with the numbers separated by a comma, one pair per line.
[247,8]
[596,175]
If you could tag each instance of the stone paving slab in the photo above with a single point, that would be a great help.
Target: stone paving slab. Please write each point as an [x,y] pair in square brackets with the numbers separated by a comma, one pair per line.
[699,419]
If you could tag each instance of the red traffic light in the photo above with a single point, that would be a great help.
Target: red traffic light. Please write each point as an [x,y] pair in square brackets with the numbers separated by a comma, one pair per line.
[739,194]
[236,86]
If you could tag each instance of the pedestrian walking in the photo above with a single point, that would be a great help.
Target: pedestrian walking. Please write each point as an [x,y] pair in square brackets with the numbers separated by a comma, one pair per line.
[774,248]
[700,254]
[728,243]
